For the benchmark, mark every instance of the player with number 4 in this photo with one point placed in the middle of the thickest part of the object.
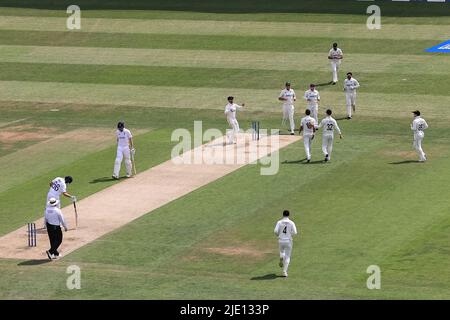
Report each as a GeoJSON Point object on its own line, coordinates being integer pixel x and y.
{"type": "Point", "coordinates": [284, 230]}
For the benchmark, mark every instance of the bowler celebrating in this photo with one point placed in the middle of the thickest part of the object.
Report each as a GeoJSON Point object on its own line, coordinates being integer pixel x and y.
{"type": "Point", "coordinates": [329, 125]}
{"type": "Point", "coordinates": [335, 56]}
{"type": "Point", "coordinates": [288, 97]}
{"type": "Point", "coordinates": [350, 86]}
{"type": "Point", "coordinates": [418, 125]}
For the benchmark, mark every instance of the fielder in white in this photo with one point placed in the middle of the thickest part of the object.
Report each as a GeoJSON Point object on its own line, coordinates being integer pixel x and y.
{"type": "Point", "coordinates": [329, 125]}
{"type": "Point", "coordinates": [230, 113]}
{"type": "Point", "coordinates": [350, 86]}
{"type": "Point", "coordinates": [418, 125]}
{"type": "Point", "coordinates": [124, 149]}
{"type": "Point", "coordinates": [288, 97]}
{"type": "Point", "coordinates": [285, 229]}
{"type": "Point", "coordinates": [335, 56]}
{"type": "Point", "coordinates": [312, 98]}
{"type": "Point", "coordinates": [308, 126]}
{"type": "Point", "coordinates": [58, 186]}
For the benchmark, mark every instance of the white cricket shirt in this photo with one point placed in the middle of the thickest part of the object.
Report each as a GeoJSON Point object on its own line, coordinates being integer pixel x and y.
{"type": "Point", "coordinates": [285, 229]}
{"type": "Point", "coordinates": [308, 124]}
{"type": "Point", "coordinates": [123, 137]}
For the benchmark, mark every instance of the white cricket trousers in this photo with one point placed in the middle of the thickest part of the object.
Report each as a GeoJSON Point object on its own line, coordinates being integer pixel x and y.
{"type": "Point", "coordinates": [335, 68]}
{"type": "Point", "coordinates": [285, 253]}
{"type": "Point", "coordinates": [307, 141]}
{"type": "Point", "coordinates": [231, 134]}
{"type": "Point", "coordinates": [122, 152]}
{"type": "Point", "coordinates": [288, 113]}
{"type": "Point", "coordinates": [314, 108]}
{"type": "Point", "coordinates": [327, 145]}
{"type": "Point", "coordinates": [418, 137]}
{"type": "Point", "coordinates": [350, 97]}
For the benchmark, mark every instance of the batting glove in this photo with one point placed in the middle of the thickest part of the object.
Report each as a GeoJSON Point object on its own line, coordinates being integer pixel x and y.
{"type": "Point", "coordinates": [74, 199]}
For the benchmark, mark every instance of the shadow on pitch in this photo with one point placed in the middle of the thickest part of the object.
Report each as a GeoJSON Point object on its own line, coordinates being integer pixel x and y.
{"type": "Point", "coordinates": [33, 262]}
{"type": "Point", "coordinates": [270, 276]}
{"type": "Point", "coordinates": [104, 179]}
{"type": "Point", "coordinates": [405, 162]}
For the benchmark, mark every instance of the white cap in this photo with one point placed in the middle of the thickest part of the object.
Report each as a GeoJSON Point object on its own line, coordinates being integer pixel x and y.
{"type": "Point", "coordinates": [52, 202]}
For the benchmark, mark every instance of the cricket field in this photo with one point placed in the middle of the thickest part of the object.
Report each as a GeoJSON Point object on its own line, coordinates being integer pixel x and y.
{"type": "Point", "coordinates": [161, 66]}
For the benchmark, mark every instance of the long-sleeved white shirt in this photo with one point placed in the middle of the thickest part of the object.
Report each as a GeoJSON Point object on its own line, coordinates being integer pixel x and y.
{"type": "Point", "coordinates": [329, 124]}
{"type": "Point", "coordinates": [54, 216]}
{"type": "Point", "coordinates": [312, 97]}
{"type": "Point", "coordinates": [336, 55]}
{"type": "Point", "coordinates": [289, 95]}
{"type": "Point", "coordinates": [230, 110]}
{"type": "Point", "coordinates": [351, 85]}
{"type": "Point", "coordinates": [285, 229]}
{"type": "Point", "coordinates": [419, 124]}
{"type": "Point", "coordinates": [308, 124]}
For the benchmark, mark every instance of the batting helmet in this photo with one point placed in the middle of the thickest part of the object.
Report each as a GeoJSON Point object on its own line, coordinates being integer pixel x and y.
{"type": "Point", "coordinates": [68, 179]}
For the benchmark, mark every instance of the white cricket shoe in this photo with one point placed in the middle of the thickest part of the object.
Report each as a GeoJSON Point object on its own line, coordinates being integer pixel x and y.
{"type": "Point", "coordinates": [285, 274]}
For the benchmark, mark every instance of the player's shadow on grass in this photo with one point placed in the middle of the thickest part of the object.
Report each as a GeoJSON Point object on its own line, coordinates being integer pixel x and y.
{"type": "Point", "coordinates": [104, 179]}
{"type": "Point", "coordinates": [293, 161]}
{"type": "Point", "coordinates": [324, 84]}
{"type": "Point", "coordinates": [270, 276]}
{"type": "Point", "coordinates": [33, 262]}
{"type": "Point", "coordinates": [302, 161]}
{"type": "Point", "coordinates": [405, 162]}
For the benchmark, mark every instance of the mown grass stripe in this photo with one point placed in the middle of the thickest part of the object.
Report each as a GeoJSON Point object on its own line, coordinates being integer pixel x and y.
{"type": "Point", "coordinates": [370, 104]}
{"type": "Point", "coordinates": [390, 8]}
{"type": "Point", "coordinates": [218, 78]}
{"type": "Point", "coordinates": [356, 17]}
{"type": "Point", "coordinates": [361, 63]}
{"type": "Point", "coordinates": [208, 42]}
{"type": "Point", "coordinates": [235, 28]}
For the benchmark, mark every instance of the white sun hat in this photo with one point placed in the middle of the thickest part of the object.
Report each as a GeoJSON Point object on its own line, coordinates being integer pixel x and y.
{"type": "Point", "coordinates": [52, 202]}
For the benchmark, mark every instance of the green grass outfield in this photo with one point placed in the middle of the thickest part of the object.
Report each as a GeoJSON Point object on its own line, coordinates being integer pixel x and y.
{"type": "Point", "coordinates": [162, 66]}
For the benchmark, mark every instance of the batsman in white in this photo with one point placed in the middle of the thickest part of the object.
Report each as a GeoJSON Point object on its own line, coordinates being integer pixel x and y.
{"type": "Point", "coordinates": [312, 98]}
{"type": "Point", "coordinates": [418, 125]}
{"type": "Point", "coordinates": [124, 149]}
{"type": "Point", "coordinates": [350, 86]}
{"type": "Point", "coordinates": [58, 186]}
{"type": "Point", "coordinates": [335, 56]}
{"type": "Point", "coordinates": [288, 97]}
{"type": "Point", "coordinates": [284, 230]}
{"type": "Point", "coordinates": [329, 125]}
{"type": "Point", "coordinates": [308, 126]}
{"type": "Point", "coordinates": [230, 113]}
